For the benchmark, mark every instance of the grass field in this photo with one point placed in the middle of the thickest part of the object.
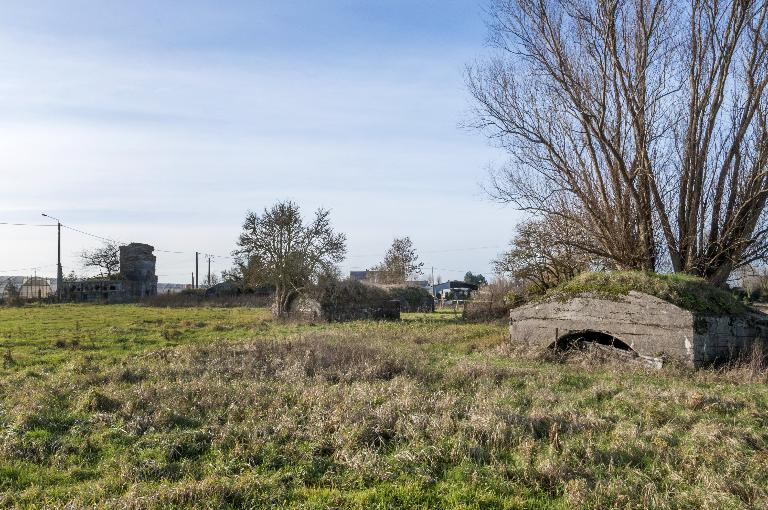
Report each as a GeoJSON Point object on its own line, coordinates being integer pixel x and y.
{"type": "Point", "coordinates": [131, 407]}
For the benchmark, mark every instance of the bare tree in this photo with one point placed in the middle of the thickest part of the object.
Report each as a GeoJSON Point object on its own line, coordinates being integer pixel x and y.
{"type": "Point", "coordinates": [213, 280]}
{"type": "Point", "coordinates": [540, 258]}
{"type": "Point", "coordinates": [106, 259]}
{"type": "Point", "coordinates": [400, 263]}
{"type": "Point", "coordinates": [277, 248]}
{"type": "Point", "coordinates": [435, 280]}
{"type": "Point", "coordinates": [644, 121]}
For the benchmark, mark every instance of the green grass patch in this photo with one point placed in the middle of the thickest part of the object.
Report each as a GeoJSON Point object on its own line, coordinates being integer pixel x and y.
{"type": "Point", "coordinates": [235, 410]}
{"type": "Point", "coordinates": [686, 291]}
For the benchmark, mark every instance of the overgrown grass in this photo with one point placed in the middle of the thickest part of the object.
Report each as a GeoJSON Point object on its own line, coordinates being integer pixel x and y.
{"type": "Point", "coordinates": [686, 291]}
{"type": "Point", "coordinates": [238, 411]}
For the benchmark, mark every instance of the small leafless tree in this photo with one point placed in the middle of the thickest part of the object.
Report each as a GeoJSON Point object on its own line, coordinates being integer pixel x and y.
{"type": "Point", "coordinates": [643, 120]}
{"type": "Point", "coordinates": [400, 263]}
{"type": "Point", "coordinates": [105, 258]}
{"type": "Point", "coordinates": [277, 248]}
{"type": "Point", "coordinates": [541, 258]}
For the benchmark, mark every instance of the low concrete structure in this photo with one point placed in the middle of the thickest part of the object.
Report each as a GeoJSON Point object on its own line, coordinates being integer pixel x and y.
{"type": "Point", "coordinates": [412, 298]}
{"type": "Point", "coordinates": [96, 290]}
{"type": "Point", "coordinates": [223, 289]}
{"type": "Point", "coordinates": [305, 308]}
{"type": "Point", "coordinates": [639, 323]}
{"type": "Point", "coordinates": [343, 301]}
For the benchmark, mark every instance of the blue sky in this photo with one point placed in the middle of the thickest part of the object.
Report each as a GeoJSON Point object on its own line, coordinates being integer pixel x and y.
{"type": "Point", "coordinates": [164, 122]}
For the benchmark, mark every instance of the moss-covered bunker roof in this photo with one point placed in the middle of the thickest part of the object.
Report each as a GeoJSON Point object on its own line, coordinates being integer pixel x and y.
{"type": "Point", "coordinates": [686, 291]}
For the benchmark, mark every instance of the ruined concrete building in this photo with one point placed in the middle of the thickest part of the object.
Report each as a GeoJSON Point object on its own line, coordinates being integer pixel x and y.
{"type": "Point", "coordinates": [641, 325]}
{"type": "Point", "coordinates": [137, 268]}
{"type": "Point", "coordinates": [136, 279]}
{"type": "Point", "coordinates": [344, 301]}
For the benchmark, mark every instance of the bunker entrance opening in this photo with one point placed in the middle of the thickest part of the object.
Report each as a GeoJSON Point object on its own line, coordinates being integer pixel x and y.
{"type": "Point", "coordinates": [582, 339]}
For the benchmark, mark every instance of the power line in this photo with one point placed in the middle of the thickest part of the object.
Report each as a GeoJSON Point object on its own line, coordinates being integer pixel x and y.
{"type": "Point", "coordinates": [91, 235]}
{"type": "Point", "coordinates": [177, 252]}
{"type": "Point", "coordinates": [108, 239]}
{"type": "Point", "coordinates": [27, 224]}
{"type": "Point", "coordinates": [26, 268]}
{"type": "Point", "coordinates": [475, 248]}
{"type": "Point", "coordinates": [159, 250]}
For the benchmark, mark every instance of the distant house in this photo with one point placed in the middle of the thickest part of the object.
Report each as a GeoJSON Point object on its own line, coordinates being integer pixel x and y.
{"type": "Point", "coordinates": [749, 279]}
{"type": "Point", "coordinates": [454, 289]}
{"type": "Point", "coordinates": [172, 288]}
{"type": "Point", "coordinates": [35, 287]}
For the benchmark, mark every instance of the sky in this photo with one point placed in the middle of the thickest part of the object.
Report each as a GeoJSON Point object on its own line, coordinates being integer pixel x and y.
{"type": "Point", "coordinates": [164, 122]}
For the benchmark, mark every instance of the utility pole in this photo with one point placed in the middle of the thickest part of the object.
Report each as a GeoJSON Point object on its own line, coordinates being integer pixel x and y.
{"type": "Point", "coordinates": [197, 269]}
{"type": "Point", "coordinates": [209, 270]}
{"type": "Point", "coordinates": [59, 272]}
{"type": "Point", "coordinates": [193, 280]}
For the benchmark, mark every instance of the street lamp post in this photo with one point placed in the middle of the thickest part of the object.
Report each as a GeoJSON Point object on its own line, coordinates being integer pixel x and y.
{"type": "Point", "coordinates": [59, 273]}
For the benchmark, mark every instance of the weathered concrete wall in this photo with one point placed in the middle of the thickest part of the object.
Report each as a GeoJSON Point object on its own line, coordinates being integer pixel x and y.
{"type": "Point", "coordinates": [96, 291]}
{"type": "Point", "coordinates": [725, 337]}
{"type": "Point", "coordinates": [306, 308]}
{"type": "Point", "coordinates": [383, 310]}
{"type": "Point", "coordinates": [137, 268]}
{"type": "Point", "coordinates": [412, 298]}
{"type": "Point", "coordinates": [648, 325]}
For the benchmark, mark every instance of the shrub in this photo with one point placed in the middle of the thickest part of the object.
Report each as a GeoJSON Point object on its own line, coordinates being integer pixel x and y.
{"type": "Point", "coordinates": [350, 300]}
{"type": "Point", "coordinates": [491, 302]}
{"type": "Point", "coordinates": [192, 298]}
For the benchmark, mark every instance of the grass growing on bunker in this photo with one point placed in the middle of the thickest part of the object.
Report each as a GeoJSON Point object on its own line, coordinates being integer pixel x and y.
{"type": "Point", "coordinates": [686, 291]}
{"type": "Point", "coordinates": [237, 410]}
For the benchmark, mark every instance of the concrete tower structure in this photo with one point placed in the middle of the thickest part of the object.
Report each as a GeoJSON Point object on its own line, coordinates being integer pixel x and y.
{"type": "Point", "coordinates": [137, 268]}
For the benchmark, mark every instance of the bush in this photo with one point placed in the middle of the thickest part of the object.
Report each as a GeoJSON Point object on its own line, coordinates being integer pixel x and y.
{"type": "Point", "coordinates": [347, 292]}
{"type": "Point", "coordinates": [197, 297]}
{"type": "Point", "coordinates": [352, 300]}
{"type": "Point", "coordinates": [492, 302]}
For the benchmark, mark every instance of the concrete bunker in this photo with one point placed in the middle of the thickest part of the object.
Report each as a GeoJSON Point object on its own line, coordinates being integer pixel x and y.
{"type": "Point", "coordinates": [640, 324]}
{"type": "Point", "coordinates": [343, 301]}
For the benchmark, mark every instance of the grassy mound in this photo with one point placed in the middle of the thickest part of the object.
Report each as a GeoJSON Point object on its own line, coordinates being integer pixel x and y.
{"type": "Point", "coordinates": [686, 291]}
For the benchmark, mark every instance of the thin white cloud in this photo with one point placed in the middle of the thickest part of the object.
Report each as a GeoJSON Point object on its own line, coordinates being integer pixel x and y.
{"type": "Point", "coordinates": [175, 147]}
